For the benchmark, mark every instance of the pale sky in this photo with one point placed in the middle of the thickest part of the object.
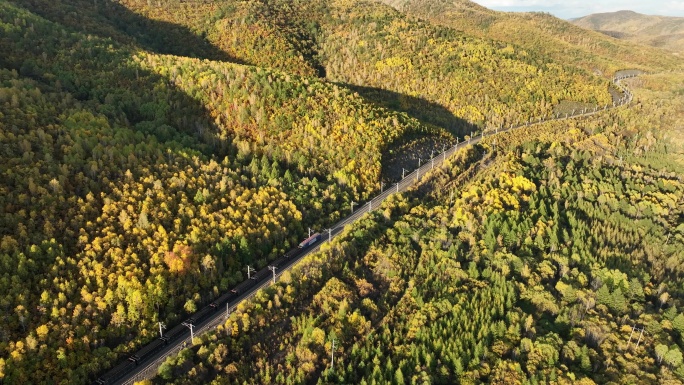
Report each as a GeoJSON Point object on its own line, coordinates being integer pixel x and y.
{"type": "Point", "coordinates": [566, 9]}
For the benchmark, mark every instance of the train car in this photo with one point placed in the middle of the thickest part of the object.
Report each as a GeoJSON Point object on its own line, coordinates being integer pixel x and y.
{"type": "Point", "coordinates": [244, 285]}
{"type": "Point", "coordinates": [310, 241]}
{"type": "Point", "coordinates": [225, 298]}
{"type": "Point", "coordinates": [282, 261]}
{"type": "Point", "coordinates": [148, 350]}
{"type": "Point", "coordinates": [176, 332]}
{"type": "Point", "coordinates": [263, 273]}
{"type": "Point", "coordinates": [203, 314]}
{"type": "Point", "coordinates": [116, 373]}
{"type": "Point", "coordinates": [293, 253]}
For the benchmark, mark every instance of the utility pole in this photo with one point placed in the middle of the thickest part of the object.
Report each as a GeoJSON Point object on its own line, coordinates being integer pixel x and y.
{"type": "Point", "coordinates": [641, 334]}
{"type": "Point", "coordinates": [417, 173]}
{"type": "Point", "coordinates": [352, 206]}
{"type": "Point", "coordinates": [227, 310]}
{"type": "Point", "coordinates": [192, 332]}
{"type": "Point", "coordinates": [273, 269]}
{"type": "Point", "coordinates": [630, 336]}
{"type": "Point", "coordinates": [419, 162]}
{"type": "Point", "coordinates": [370, 205]}
{"type": "Point", "coordinates": [433, 163]}
{"type": "Point", "coordinates": [382, 186]}
{"type": "Point", "coordinates": [161, 326]}
{"type": "Point", "coordinates": [443, 153]}
{"type": "Point", "coordinates": [397, 186]}
{"type": "Point", "coordinates": [309, 231]}
{"type": "Point", "coordinates": [403, 173]}
{"type": "Point", "coordinates": [329, 234]}
{"type": "Point", "coordinates": [250, 270]}
{"type": "Point", "coordinates": [332, 356]}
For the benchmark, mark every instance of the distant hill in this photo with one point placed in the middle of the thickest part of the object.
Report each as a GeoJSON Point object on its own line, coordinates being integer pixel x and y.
{"type": "Point", "coordinates": [538, 32]}
{"type": "Point", "coordinates": [658, 31]}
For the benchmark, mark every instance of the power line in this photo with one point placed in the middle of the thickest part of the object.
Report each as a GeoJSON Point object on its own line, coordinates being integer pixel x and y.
{"type": "Point", "coordinates": [628, 97]}
{"type": "Point", "coordinates": [273, 269]}
{"type": "Point", "coordinates": [332, 355]}
{"type": "Point", "coordinates": [161, 326]}
{"type": "Point", "coordinates": [641, 334]}
{"type": "Point", "coordinates": [191, 327]}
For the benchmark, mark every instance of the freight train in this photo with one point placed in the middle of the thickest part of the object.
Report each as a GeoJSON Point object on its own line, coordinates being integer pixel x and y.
{"type": "Point", "coordinates": [180, 331]}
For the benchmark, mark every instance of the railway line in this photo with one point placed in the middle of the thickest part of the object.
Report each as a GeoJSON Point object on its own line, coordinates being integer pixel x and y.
{"type": "Point", "coordinates": [145, 362]}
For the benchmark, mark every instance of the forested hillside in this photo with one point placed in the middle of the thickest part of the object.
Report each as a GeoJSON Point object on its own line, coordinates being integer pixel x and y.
{"type": "Point", "coordinates": [430, 72]}
{"type": "Point", "coordinates": [541, 33]}
{"type": "Point", "coordinates": [151, 150]}
{"type": "Point", "coordinates": [659, 31]}
{"type": "Point", "coordinates": [137, 186]}
{"type": "Point", "coordinates": [545, 268]}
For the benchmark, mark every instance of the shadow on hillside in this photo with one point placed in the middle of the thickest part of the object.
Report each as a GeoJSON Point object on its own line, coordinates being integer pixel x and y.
{"type": "Point", "coordinates": [109, 19]}
{"type": "Point", "coordinates": [427, 112]}
{"type": "Point", "coordinates": [410, 150]}
{"type": "Point", "coordinates": [166, 124]}
{"type": "Point", "coordinates": [151, 121]}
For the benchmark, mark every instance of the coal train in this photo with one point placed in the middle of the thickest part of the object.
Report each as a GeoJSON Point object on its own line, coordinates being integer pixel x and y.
{"type": "Point", "coordinates": [180, 331]}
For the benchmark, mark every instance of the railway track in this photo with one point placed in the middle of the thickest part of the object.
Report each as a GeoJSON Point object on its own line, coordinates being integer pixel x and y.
{"type": "Point", "coordinates": [145, 363]}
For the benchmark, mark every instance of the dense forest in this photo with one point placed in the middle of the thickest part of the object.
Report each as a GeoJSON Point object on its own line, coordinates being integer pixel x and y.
{"type": "Point", "coordinates": [542, 33]}
{"type": "Point", "coordinates": [559, 262]}
{"type": "Point", "coordinates": [151, 150]}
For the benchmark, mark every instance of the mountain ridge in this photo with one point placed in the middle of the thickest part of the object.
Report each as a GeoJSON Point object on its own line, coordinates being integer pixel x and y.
{"type": "Point", "coordinates": [659, 31]}
{"type": "Point", "coordinates": [540, 32]}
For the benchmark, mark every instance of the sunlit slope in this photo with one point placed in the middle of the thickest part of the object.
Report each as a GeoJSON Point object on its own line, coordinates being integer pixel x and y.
{"type": "Point", "coordinates": [434, 73]}
{"type": "Point", "coordinates": [659, 31]}
{"type": "Point", "coordinates": [541, 33]}
{"type": "Point", "coordinates": [483, 82]}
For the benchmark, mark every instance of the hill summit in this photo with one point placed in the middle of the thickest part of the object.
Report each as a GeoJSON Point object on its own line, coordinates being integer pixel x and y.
{"type": "Point", "coordinates": [659, 31]}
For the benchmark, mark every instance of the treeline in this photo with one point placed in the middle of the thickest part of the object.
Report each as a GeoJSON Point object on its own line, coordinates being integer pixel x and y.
{"type": "Point", "coordinates": [544, 268]}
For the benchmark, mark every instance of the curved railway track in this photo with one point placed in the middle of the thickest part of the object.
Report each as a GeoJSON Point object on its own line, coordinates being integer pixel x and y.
{"type": "Point", "coordinates": [145, 362]}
